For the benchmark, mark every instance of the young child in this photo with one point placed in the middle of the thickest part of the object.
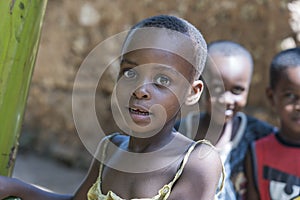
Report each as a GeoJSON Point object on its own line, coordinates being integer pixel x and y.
{"type": "Point", "coordinates": [273, 172]}
{"type": "Point", "coordinates": [227, 76]}
{"type": "Point", "coordinates": [161, 60]}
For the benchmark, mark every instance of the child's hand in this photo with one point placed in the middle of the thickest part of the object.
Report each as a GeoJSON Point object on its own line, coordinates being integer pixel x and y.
{"type": "Point", "coordinates": [7, 186]}
{"type": "Point", "coordinates": [240, 183]}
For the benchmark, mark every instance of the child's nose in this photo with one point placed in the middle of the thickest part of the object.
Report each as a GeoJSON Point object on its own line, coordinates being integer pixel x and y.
{"type": "Point", "coordinates": [297, 106]}
{"type": "Point", "coordinates": [227, 98]}
{"type": "Point", "coordinates": [142, 92]}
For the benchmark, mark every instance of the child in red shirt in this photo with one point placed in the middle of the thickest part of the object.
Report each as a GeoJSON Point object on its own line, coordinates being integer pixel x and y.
{"type": "Point", "coordinates": [273, 172]}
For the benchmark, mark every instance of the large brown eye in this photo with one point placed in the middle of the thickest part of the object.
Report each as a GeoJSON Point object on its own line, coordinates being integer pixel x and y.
{"type": "Point", "coordinates": [130, 74]}
{"type": "Point", "coordinates": [237, 90]}
{"type": "Point", "coordinates": [290, 96]}
{"type": "Point", "coordinates": [163, 80]}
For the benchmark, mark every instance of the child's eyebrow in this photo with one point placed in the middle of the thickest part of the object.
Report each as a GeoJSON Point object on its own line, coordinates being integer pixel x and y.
{"type": "Point", "coordinates": [159, 67]}
{"type": "Point", "coordinates": [165, 68]}
{"type": "Point", "coordinates": [124, 60]}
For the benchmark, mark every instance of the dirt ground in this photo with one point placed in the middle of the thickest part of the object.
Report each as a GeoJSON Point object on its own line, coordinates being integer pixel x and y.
{"type": "Point", "coordinates": [47, 173]}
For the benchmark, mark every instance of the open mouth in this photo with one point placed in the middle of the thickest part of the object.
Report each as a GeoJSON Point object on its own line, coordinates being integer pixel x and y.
{"type": "Point", "coordinates": [137, 111]}
{"type": "Point", "coordinates": [140, 115]}
{"type": "Point", "coordinates": [296, 119]}
{"type": "Point", "coordinates": [228, 113]}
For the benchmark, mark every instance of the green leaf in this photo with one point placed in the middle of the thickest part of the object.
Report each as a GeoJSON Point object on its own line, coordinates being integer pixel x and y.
{"type": "Point", "coordinates": [12, 198]}
{"type": "Point", "coordinates": [20, 28]}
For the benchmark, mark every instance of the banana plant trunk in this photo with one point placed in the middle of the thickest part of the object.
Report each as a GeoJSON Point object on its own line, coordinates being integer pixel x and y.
{"type": "Point", "coordinates": [20, 29]}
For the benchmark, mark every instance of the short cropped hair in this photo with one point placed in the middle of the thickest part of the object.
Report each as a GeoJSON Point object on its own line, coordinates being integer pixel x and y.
{"type": "Point", "coordinates": [229, 48]}
{"type": "Point", "coordinates": [224, 48]}
{"type": "Point", "coordinates": [284, 59]}
{"type": "Point", "coordinates": [182, 26]}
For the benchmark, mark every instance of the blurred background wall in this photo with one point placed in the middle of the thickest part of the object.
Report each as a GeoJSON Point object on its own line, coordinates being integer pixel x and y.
{"type": "Point", "coordinates": [72, 28]}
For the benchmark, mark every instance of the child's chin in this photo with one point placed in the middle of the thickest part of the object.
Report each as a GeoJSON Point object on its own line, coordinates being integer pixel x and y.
{"type": "Point", "coordinates": [142, 130]}
{"type": "Point", "coordinates": [140, 134]}
{"type": "Point", "coordinates": [228, 118]}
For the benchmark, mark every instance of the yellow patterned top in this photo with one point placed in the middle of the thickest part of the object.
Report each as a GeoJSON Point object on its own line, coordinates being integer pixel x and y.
{"type": "Point", "coordinates": [95, 192]}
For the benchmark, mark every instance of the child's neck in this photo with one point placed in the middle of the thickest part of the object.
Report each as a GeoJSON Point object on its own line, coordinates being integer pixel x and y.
{"type": "Point", "coordinates": [150, 144]}
{"type": "Point", "coordinates": [226, 134]}
{"type": "Point", "coordinates": [289, 138]}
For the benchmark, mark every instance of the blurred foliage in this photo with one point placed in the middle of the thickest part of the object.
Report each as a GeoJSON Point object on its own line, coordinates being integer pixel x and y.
{"type": "Point", "coordinates": [20, 28]}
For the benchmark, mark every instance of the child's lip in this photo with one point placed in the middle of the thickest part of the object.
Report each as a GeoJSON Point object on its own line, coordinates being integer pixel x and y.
{"type": "Point", "coordinates": [139, 109]}
{"type": "Point", "coordinates": [228, 113]}
{"type": "Point", "coordinates": [296, 118]}
{"type": "Point", "coordinates": [140, 115]}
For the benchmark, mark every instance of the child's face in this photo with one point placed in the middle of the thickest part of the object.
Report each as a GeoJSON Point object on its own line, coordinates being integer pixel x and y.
{"type": "Point", "coordinates": [285, 98]}
{"type": "Point", "coordinates": [228, 99]}
{"type": "Point", "coordinates": [151, 87]}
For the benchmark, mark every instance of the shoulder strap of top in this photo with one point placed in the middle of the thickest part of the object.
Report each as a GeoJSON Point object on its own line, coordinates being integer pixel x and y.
{"type": "Point", "coordinates": [180, 170]}
{"type": "Point", "coordinates": [222, 181]}
{"type": "Point", "coordinates": [103, 147]}
{"type": "Point", "coordinates": [185, 159]}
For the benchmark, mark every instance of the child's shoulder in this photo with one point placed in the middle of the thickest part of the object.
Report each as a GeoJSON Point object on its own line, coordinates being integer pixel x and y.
{"type": "Point", "coordinates": [204, 166]}
{"type": "Point", "coordinates": [198, 152]}
{"type": "Point", "coordinates": [271, 138]}
{"type": "Point", "coordinates": [115, 138]}
{"type": "Point", "coordinates": [204, 157]}
{"type": "Point", "coordinates": [118, 138]}
{"type": "Point", "coordinates": [253, 121]}
{"type": "Point", "coordinates": [256, 125]}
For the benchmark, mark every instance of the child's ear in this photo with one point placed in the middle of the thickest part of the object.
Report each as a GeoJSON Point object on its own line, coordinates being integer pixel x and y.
{"type": "Point", "coordinates": [269, 94]}
{"type": "Point", "coordinates": [195, 93]}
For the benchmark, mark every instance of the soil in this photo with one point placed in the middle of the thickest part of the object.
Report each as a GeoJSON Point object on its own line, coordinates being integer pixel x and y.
{"type": "Point", "coordinates": [47, 173]}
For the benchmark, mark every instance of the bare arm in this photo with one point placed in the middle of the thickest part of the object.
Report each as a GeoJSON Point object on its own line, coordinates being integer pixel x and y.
{"type": "Point", "coordinates": [251, 193]}
{"type": "Point", "coordinates": [201, 175]}
{"type": "Point", "coordinates": [90, 179]}
{"type": "Point", "coordinates": [25, 191]}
